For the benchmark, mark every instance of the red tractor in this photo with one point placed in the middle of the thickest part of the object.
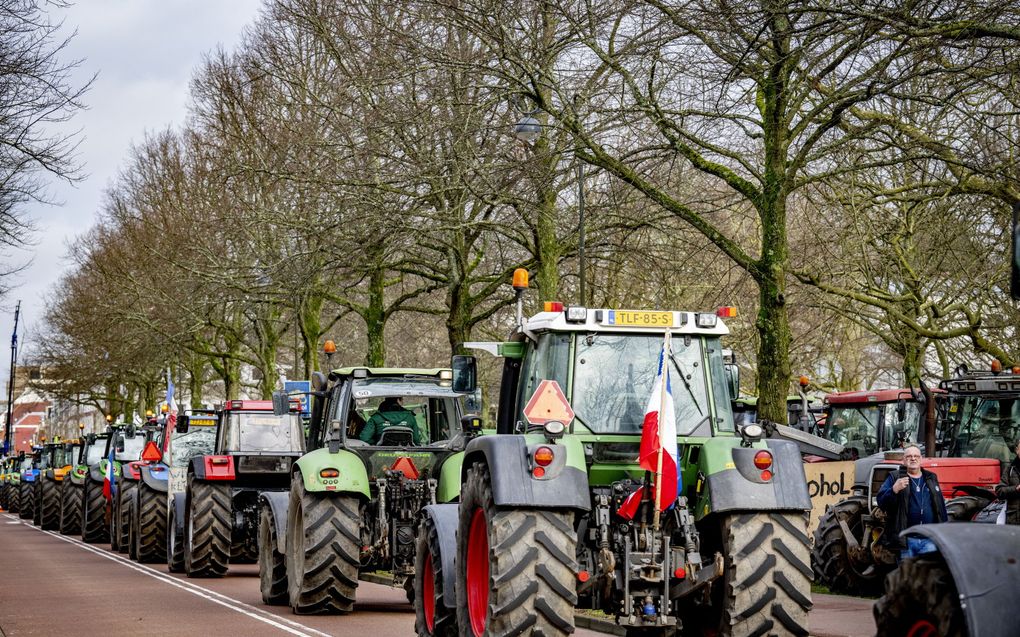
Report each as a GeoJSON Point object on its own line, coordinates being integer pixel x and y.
{"type": "Point", "coordinates": [847, 556]}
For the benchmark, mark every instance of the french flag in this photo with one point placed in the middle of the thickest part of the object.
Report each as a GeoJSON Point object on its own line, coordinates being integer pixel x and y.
{"type": "Point", "coordinates": [658, 439]}
{"type": "Point", "coordinates": [109, 482]}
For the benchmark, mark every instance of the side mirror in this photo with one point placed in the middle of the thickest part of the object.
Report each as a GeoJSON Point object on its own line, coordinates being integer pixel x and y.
{"type": "Point", "coordinates": [732, 380]}
{"type": "Point", "coordinates": [465, 374]}
{"type": "Point", "coordinates": [335, 436]}
{"type": "Point", "coordinates": [901, 410]}
{"type": "Point", "coordinates": [183, 422]}
{"type": "Point", "coordinates": [131, 431]}
{"type": "Point", "coordinates": [281, 403]}
{"type": "Point", "coordinates": [119, 438]}
{"type": "Point", "coordinates": [318, 381]}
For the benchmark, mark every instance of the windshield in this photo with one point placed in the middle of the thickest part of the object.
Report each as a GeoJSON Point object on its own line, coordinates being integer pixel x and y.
{"type": "Point", "coordinates": [983, 427]}
{"type": "Point", "coordinates": [95, 452]}
{"type": "Point", "coordinates": [246, 431]}
{"type": "Point", "coordinates": [26, 464]}
{"type": "Point", "coordinates": [198, 441]}
{"type": "Point", "coordinates": [132, 449]}
{"type": "Point", "coordinates": [432, 409]}
{"type": "Point", "coordinates": [613, 377]}
{"type": "Point", "coordinates": [854, 427]}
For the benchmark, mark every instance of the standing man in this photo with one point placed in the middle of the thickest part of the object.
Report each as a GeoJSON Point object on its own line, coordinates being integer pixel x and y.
{"type": "Point", "coordinates": [1009, 489]}
{"type": "Point", "coordinates": [910, 496]}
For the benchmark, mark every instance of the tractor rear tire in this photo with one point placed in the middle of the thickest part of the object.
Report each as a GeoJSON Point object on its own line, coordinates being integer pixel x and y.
{"type": "Point", "coordinates": [965, 507]}
{"type": "Point", "coordinates": [13, 499]}
{"type": "Point", "coordinates": [70, 507]}
{"type": "Point", "coordinates": [207, 529]}
{"type": "Point", "coordinates": [37, 498]}
{"type": "Point", "coordinates": [121, 518]}
{"type": "Point", "coordinates": [49, 505]}
{"type": "Point", "coordinates": [323, 550]}
{"type": "Point", "coordinates": [245, 551]}
{"type": "Point", "coordinates": [767, 580]}
{"type": "Point", "coordinates": [93, 514]}
{"type": "Point", "coordinates": [830, 556]}
{"type": "Point", "coordinates": [920, 598]}
{"type": "Point", "coordinates": [148, 524]}
{"type": "Point", "coordinates": [431, 616]}
{"type": "Point", "coordinates": [272, 563]}
{"type": "Point", "coordinates": [174, 543]}
{"type": "Point", "coordinates": [26, 500]}
{"type": "Point", "coordinates": [516, 568]}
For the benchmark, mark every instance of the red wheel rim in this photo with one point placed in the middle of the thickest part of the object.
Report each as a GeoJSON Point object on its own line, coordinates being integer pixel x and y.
{"type": "Point", "coordinates": [429, 594]}
{"type": "Point", "coordinates": [478, 572]}
{"type": "Point", "coordinates": [923, 628]}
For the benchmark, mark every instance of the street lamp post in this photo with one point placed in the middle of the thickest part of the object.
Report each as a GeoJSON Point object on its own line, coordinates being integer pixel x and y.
{"type": "Point", "coordinates": [528, 129]}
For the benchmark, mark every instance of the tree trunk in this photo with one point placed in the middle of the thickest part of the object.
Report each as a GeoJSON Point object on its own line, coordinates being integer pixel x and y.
{"type": "Point", "coordinates": [375, 319]}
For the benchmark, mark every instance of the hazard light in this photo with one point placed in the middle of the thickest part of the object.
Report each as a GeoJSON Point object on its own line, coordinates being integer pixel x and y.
{"type": "Point", "coordinates": [553, 306]}
{"type": "Point", "coordinates": [151, 452]}
{"type": "Point", "coordinates": [996, 366]}
{"type": "Point", "coordinates": [726, 312]}
{"type": "Point", "coordinates": [329, 473]}
{"type": "Point", "coordinates": [763, 459]}
{"type": "Point", "coordinates": [520, 279]}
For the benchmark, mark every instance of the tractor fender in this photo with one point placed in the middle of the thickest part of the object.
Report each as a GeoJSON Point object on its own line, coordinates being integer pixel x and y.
{"type": "Point", "coordinates": [277, 502]}
{"type": "Point", "coordinates": [564, 485]}
{"type": "Point", "coordinates": [446, 517]}
{"type": "Point", "coordinates": [353, 476]}
{"type": "Point", "coordinates": [734, 483]}
{"type": "Point", "coordinates": [97, 472]}
{"type": "Point", "coordinates": [156, 477]}
{"type": "Point", "coordinates": [78, 475]}
{"type": "Point", "coordinates": [984, 561]}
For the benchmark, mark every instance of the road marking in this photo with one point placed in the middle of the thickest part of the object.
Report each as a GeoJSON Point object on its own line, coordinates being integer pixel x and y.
{"type": "Point", "coordinates": [286, 625]}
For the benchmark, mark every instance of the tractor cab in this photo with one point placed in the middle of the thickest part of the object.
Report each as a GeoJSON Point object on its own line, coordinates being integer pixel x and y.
{"type": "Point", "coordinates": [868, 422]}
{"type": "Point", "coordinates": [980, 415]}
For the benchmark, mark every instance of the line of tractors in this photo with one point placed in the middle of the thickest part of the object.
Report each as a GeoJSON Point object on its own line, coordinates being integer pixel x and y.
{"type": "Point", "coordinates": [511, 527]}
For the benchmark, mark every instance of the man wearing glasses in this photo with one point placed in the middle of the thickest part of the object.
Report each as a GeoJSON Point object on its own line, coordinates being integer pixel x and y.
{"type": "Point", "coordinates": [909, 496]}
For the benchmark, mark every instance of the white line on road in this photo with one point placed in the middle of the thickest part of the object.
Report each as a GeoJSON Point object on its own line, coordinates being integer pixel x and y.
{"type": "Point", "coordinates": [286, 625]}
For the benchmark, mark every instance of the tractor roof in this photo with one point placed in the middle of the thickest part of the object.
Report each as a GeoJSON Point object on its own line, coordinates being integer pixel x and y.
{"type": "Point", "coordinates": [983, 383]}
{"type": "Point", "coordinates": [872, 396]}
{"type": "Point", "coordinates": [579, 319]}
{"type": "Point", "coordinates": [392, 371]}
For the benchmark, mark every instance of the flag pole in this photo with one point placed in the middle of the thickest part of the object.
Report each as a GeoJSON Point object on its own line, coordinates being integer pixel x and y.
{"type": "Point", "coordinates": [662, 411]}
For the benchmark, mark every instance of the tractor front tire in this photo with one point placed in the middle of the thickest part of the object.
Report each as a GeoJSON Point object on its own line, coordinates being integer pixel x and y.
{"type": "Point", "coordinates": [431, 616]}
{"type": "Point", "coordinates": [272, 563]}
{"type": "Point", "coordinates": [26, 500]}
{"type": "Point", "coordinates": [70, 507]}
{"type": "Point", "coordinates": [93, 514]}
{"type": "Point", "coordinates": [516, 568]}
{"type": "Point", "coordinates": [323, 550]}
{"type": "Point", "coordinates": [965, 507]}
{"type": "Point", "coordinates": [37, 487]}
{"type": "Point", "coordinates": [49, 505]}
{"type": "Point", "coordinates": [767, 581]}
{"type": "Point", "coordinates": [830, 557]}
{"type": "Point", "coordinates": [148, 524]}
{"type": "Point", "coordinates": [207, 529]}
{"type": "Point", "coordinates": [920, 599]}
{"type": "Point", "coordinates": [174, 543]}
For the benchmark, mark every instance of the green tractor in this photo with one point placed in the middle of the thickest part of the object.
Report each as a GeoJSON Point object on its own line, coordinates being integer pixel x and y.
{"type": "Point", "coordinates": [540, 527]}
{"type": "Point", "coordinates": [355, 497]}
{"type": "Point", "coordinates": [124, 444]}
{"type": "Point", "coordinates": [9, 478]}
{"type": "Point", "coordinates": [58, 456]}
{"type": "Point", "coordinates": [72, 488]}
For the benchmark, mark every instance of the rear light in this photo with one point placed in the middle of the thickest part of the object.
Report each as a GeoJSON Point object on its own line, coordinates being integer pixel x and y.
{"type": "Point", "coordinates": [329, 473]}
{"type": "Point", "coordinates": [763, 459]}
{"type": "Point", "coordinates": [543, 456]}
{"type": "Point", "coordinates": [726, 312]}
{"type": "Point", "coordinates": [553, 306]}
{"type": "Point", "coordinates": [219, 461]}
{"type": "Point", "coordinates": [680, 572]}
{"type": "Point", "coordinates": [766, 475]}
{"type": "Point", "coordinates": [539, 472]}
{"type": "Point", "coordinates": [583, 576]}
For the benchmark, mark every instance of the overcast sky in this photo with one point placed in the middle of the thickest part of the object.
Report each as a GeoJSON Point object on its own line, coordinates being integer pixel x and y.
{"type": "Point", "coordinates": [144, 52]}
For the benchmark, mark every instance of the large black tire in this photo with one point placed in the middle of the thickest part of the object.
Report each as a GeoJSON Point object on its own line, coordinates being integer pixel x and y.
{"type": "Point", "coordinates": [767, 581]}
{"type": "Point", "coordinates": [272, 563]}
{"type": "Point", "coordinates": [207, 529]}
{"type": "Point", "coordinates": [3, 496]}
{"type": "Point", "coordinates": [516, 568]}
{"type": "Point", "coordinates": [70, 507]}
{"type": "Point", "coordinates": [148, 525]}
{"type": "Point", "coordinates": [120, 534]}
{"type": "Point", "coordinates": [174, 543]}
{"type": "Point", "coordinates": [26, 500]}
{"type": "Point", "coordinates": [323, 550]}
{"type": "Point", "coordinates": [244, 551]}
{"type": "Point", "coordinates": [431, 616]}
{"type": "Point", "coordinates": [94, 528]}
{"type": "Point", "coordinates": [37, 500]}
{"type": "Point", "coordinates": [920, 598]}
{"type": "Point", "coordinates": [13, 498]}
{"type": "Point", "coordinates": [965, 507]}
{"type": "Point", "coordinates": [49, 505]}
{"type": "Point", "coordinates": [830, 556]}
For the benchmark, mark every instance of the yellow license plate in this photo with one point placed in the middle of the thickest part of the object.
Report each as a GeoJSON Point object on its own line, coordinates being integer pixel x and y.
{"type": "Point", "coordinates": [203, 422]}
{"type": "Point", "coordinates": [628, 318]}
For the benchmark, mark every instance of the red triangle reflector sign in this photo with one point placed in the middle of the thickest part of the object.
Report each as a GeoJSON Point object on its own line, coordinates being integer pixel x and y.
{"type": "Point", "coordinates": [151, 453]}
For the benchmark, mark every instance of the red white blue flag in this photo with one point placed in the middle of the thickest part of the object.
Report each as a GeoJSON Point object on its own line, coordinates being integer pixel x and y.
{"type": "Point", "coordinates": [109, 479]}
{"type": "Point", "coordinates": [658, 441]}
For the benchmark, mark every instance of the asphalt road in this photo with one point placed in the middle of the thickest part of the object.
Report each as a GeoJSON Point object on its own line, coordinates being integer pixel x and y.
{"type": "Point", "coordinates": [56, 585]}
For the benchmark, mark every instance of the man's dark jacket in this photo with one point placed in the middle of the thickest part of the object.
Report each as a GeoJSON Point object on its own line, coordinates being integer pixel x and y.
{"type": "Point", "coordinates": [896, 506]}
{"type": "Point", "coordinates": [1009, 490]}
